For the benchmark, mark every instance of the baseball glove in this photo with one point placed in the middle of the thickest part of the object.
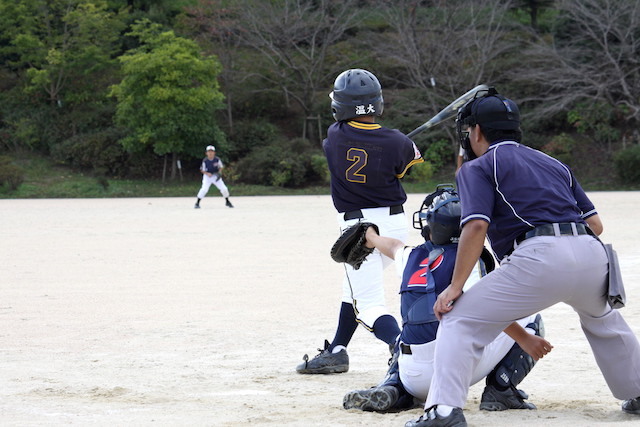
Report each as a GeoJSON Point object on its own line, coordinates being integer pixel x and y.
{"type": "Point", "coordinates": [350, 246]}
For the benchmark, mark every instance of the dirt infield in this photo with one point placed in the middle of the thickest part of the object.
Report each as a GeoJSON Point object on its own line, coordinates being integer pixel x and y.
{"type": "Point", "coordinates": [149, 312]}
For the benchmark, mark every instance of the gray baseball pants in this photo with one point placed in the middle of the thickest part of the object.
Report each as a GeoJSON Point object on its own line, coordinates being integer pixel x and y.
{"type": "Point", "coordinates": [540, 272]}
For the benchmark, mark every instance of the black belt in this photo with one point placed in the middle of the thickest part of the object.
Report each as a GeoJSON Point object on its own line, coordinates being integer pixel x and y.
{"type": "Point", "coordinates": [564, 229]}
{"type": "Point", "coordinates": [393, 210]}
{"type": "Point", "coordinates": [405, 348]}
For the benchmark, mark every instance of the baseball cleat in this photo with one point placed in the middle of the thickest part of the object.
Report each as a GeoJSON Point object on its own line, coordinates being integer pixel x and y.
{"type": "Point", "coordinates": [431, 418]}
{"type": "Point", "coordinates": [196, 206]}
{"type": "Point", "coordinates": [377, 399]}
{"type": "Point", "coordinates": [511, 398]}
{"type": "Point", "coordinates": [325, 362]}
{"type": "Point", "coordinates": [631, 406]}
{"type": "Point", "coordinates": [228, 204]}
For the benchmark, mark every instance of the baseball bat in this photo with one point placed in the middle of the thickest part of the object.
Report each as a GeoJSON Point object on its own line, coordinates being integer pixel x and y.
{"type": "Point", "coordinates": [449, 111]}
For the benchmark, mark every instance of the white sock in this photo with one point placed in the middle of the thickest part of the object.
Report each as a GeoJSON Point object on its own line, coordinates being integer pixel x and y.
{"type": "Point", "coordinates": [338, 348]}
{"type": "Point", "coordinates": [444, 410]}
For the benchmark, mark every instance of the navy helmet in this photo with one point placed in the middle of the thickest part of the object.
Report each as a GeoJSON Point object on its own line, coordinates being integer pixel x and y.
{"type": "Point", "coordinates": [490, 110]}
{"type": "Point", "coordinates": [356, 93]}
{"type": "Point", "coordinates": [439, 216]}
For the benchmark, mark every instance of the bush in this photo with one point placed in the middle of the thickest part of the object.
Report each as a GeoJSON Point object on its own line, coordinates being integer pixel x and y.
{"type": "Point", "coordinates": [290, 163]}
{"type": "Point", "coordinates": [560, 147]}
{"type": "Point", "coordinates": [98, 151]}
{"type": "Point", "coordinates": [249, 136]}
{"type": "Point", "coordinates": [422, 172]}
{"type": "Point", "coordinates": [10, 174]}
{"type": "Point", "coordinates": [627, 164]}
{"type": "Point", "coordinates": [440, 153]}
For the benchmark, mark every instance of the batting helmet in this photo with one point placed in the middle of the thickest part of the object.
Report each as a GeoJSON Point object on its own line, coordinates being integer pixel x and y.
{"type": "Point", "coordinates": [439, 216]}
{"type": "Point", "coordinates": [356, 93]}
{"type": "Point", "coordinates": [491, 111]}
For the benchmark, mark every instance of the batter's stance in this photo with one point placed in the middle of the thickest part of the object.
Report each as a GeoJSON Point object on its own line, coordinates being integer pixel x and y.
{"type": "Point", "coordinates": [366, 162]}
{"type": "Point", "coordinates": [541, 224]}
{"type": "Point", "coordinates": [211, 169]}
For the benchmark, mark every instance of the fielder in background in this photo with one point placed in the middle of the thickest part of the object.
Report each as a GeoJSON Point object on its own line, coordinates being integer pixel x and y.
{"type": "Point", "coordinates": [426, 270]}
{"type": "Point", "coordinates": [542, 227]}
{"type": "Point", "coordinates": [211, 169]}
{"type": "Point", "coordinates": [366, 162]}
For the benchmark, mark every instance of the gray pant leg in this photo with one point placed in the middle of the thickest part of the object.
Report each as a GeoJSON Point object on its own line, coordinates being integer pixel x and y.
{"type": "Point", "coordinates": [540, 273]}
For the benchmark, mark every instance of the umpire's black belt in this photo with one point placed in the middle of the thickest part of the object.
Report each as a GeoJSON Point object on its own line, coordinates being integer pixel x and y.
{"type": "Point", "coordinates": [405, 348]}
{"type": "Point", "coordinates": [393, 210]}
{"type": "Point", "coordinates": [563, 229]}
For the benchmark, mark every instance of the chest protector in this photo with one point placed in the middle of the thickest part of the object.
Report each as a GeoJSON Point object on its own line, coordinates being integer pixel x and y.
{"type": "Point", "coordinates": [426, 265]}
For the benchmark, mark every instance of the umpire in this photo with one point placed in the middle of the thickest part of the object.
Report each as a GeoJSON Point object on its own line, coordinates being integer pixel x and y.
{"type": "Point", "coordinates": [541, 224]}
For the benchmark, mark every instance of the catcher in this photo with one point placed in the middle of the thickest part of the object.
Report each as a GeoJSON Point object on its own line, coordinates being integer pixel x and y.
{"type": "Point", "coordinates": [426, 270]}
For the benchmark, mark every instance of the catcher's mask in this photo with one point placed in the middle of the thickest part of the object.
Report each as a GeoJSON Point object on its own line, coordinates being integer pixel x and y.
{"type": "Point", "coordinates": [489, 110]}
{"type": "Point", "coordinates": [356, 93]}
{"type": "Point", "coordinates": [439, 216]}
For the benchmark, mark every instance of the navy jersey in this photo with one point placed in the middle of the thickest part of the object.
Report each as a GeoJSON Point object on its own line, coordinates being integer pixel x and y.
{"type": "Point", "coordinates": [515, 188]}
{"type": "Point", "coordinates": [366, 162]}
{"type": "Point", "coordinates": [211, 166]}
{"type": "Point", "coordinates": [421, 276]}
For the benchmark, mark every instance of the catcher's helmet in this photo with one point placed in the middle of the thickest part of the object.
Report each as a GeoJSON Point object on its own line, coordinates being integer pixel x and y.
{"type": "Point", "coordinates": [439, 216]}
{"type": "Point", "coordinates": [488, 109]}
{"type": "Point", "coordinates": [356, 93]}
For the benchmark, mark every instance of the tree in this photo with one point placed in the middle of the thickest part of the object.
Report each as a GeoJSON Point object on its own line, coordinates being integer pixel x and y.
{"type": "Point", "coordinates": [593, 56]}
{"type": "Point", "coordinates": [294, 37]}
{"type": "Point", "coordinates": [169, 94]}
{"type": "Point", "coordinates": [216, 25]}
{"type": "Point", "coordinates": [437, 50]}
{"type": "Point", "coordinates": [59, 43]}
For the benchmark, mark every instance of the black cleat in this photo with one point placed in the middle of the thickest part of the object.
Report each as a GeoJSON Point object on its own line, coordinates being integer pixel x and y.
{"type": "Point", "coordinates": [228, 204]}
{"type": "Point", "coordinates": [325, 362]}
{"type": "Point", "coordinates": [631, 406]}
{"type": "Point", "coordinates": [196, 206]}
{"type": "Point", "coordinates": [432, 419]}
{"type": "Point", "coordinates": [511, 398]}
{"type": "Point", "coordinates": [376, 399]}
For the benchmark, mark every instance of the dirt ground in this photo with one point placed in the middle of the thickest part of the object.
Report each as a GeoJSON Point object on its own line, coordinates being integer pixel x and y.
{"type": "Point", "coordinates": [149, 312]}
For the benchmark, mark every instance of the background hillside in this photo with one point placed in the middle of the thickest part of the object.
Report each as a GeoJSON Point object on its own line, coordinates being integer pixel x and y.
{"type": "Point", "coordinates": [124, 92]}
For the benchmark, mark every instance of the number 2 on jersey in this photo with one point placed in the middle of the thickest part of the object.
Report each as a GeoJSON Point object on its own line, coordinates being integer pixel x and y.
{"type": "Point", "coordinates": [358, 159]}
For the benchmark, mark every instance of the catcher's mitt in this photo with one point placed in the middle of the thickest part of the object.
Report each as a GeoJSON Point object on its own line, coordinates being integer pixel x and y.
{"type": "Point", "coordinates": [350, 246]}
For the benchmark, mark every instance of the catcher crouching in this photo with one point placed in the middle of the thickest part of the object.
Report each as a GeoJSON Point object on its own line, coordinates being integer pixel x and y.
{"type": "Point", "coordinates": [425, 271]}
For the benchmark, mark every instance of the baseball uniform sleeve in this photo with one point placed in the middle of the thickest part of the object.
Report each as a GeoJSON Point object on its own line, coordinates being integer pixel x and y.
{"type": "Point", "coordinates": [400, 259]}
{"type": "Point", "coordinates": [410, 156]}
{"type": "Point", "coordinates": [475, 187]}
{"type": "Point", "coordinates": [584, 203]}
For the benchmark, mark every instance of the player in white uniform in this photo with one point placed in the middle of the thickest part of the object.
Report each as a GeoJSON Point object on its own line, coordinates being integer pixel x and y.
{"type": "Point", "coordinates": [211, 169]}
{"type": "Point", "coordinates": [366, 162]}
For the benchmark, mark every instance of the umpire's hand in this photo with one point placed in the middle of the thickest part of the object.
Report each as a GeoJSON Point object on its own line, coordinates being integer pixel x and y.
{"type": "Point", "coordinates": [444, 303]}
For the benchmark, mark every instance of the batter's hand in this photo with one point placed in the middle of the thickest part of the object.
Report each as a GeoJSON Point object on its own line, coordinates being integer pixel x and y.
{"type": "Point", "coordinates": [444, 303]}
{"type": "Point", "coordinates": [535, 346]}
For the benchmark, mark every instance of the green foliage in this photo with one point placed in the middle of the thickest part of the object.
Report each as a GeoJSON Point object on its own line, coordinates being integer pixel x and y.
{"type": "Point", "coordinates": [98, 151]}
{"type": "Point", "coordinates": [59, 43]}
{"type": "Point", "coordinates": [560, 147]}
{"type": "Point", "coordinates": [320, 167]}
{"type": "Point", "coordinates": [627, 164]}
{"type": "Point", "coordinates": [168, 95]}
{"type": "Point", "coordinates": [11, 176]}
{"type": "Point", "coordinates": [596, 120]}
{"type": "Point", "coordinates": [249, 135]}
{"type": "Point", "coordinates": [420, 173]}
{"type": "Point", "coordinates": [287, 163]}
{"type": "Point", "coordinates": [440, 153]}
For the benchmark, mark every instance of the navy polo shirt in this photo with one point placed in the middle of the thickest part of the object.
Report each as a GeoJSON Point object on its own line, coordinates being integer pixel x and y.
{"type": "Point", "coordinates": [366, 162]}
{"type": "Point", "coordinates": [515, 188]}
